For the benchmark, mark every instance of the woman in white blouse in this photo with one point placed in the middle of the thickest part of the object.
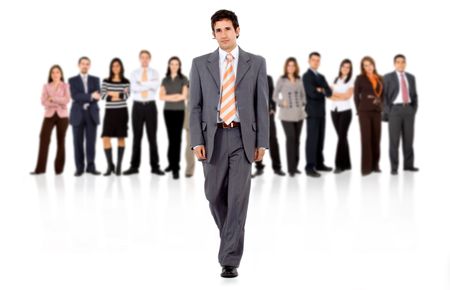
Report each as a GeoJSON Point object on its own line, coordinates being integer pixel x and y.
{"type": "Point", "coordinates": [341, 113]}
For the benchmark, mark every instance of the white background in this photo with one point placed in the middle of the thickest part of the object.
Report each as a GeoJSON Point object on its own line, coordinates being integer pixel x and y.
{"type": "Point", "coordinates": [149, 232]}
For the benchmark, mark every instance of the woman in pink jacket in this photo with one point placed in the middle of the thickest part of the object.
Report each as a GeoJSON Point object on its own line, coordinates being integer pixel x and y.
{"type": "Point", "coordinates": [55, 97]}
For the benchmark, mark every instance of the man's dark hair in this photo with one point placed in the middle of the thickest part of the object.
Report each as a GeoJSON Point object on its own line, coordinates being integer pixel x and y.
{"type": "Point", "coordinates": [83, 58]}
{"type": "Point", "coordinates": [224, 14]}
{"type": "Point", "coordinates": [314, 53]}
{"type": "Point", "coordinates": [399, 56]}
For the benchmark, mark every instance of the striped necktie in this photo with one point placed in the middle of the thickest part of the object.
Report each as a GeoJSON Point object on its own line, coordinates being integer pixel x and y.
{"type": "Point", "coordinates": [228, 100]}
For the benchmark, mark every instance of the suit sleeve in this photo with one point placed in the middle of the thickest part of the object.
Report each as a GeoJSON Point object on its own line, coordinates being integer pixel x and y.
{"type": "Point", "coordinates": [326, 88]}
{"type": "Point", "coordinates": [416, 96]}
{"type": "Point", "coordinates": [357, 93]}
{"type": "Point", "coordinates": [78, 94]}
{"type": "Point", "coordinates": [262, 110]}
{"type": "Point", "coordinates": [276, 93]}
{"type": "Point", "coordinates": [310, 90]}
{"type": "Point", "coordinates": [195, 103]}
{"type": "Point", "coordinates": [386, 98]}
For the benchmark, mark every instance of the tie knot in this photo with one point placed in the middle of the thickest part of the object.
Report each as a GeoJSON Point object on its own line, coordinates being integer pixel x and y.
{"type": "Point", "coordinates": [230, 57]}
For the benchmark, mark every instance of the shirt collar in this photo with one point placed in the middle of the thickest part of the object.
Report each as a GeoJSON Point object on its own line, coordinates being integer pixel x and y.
{"type": "Point", "coordinates": [83, 76]}
{"type": "Point", "coordinates": [400, 73]}
{"type": "Point", "coordinates": [234, 53]}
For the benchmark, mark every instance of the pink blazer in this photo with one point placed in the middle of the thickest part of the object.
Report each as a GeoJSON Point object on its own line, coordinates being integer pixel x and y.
{"type": "Point", "coordinates": [60, 99]}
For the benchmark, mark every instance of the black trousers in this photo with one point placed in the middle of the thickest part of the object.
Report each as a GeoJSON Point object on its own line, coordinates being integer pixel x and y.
{"type": "Point", "coordinates": [401, 126]}
{"type": "Point", "coordinates": [370, 124]}
{"type": "Point", "coordinates": [174, 125]}
{"type": "Point", "coordinates": [274, 149]}
{"type": "Point", "coordinates": [48, 124]}
{"type": "Point", "coordinates": [292, 131]}
{"type": "Point", "coordinates": [144, 114]}
{"type": "Point", "coordinates": [341, 122]}
{"type": "Point", "coordinates": [315, 136]}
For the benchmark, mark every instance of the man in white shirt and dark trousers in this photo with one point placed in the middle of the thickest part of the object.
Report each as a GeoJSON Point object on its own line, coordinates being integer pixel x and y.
{"type": "Point", "coordinates": [144, 85]}
{"type": "Point", "coordinates": [400, 107]}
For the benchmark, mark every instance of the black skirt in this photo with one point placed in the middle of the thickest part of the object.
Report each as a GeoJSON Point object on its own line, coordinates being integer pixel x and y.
{"type": "Point", "coordinates": [115, 123]}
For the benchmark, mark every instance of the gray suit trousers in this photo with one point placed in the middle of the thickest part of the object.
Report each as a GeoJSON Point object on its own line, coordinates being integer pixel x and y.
{"type": "Point", "coordinates": [401, 126]}
{"type": "Point", "coordinates": [227, 188]}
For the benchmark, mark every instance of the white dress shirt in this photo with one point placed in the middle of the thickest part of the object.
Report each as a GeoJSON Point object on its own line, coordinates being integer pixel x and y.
{"type": "Point", "coordinates": [341, 87]}
{"type": "Point", "coordinates": [399, 98]}
{"type": "Point", "coordinates": [137, 86]}
{"type": "Point", "coordinates": [223, 64]}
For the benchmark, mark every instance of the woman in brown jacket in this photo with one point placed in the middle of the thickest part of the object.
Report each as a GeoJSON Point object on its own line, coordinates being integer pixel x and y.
{"type": "Point", "coordinates": [368, 92]}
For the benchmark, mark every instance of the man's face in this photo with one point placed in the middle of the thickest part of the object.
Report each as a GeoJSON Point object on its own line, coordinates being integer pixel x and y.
{"type": "Point", "coordinates": [314, 62]}
{"type": "Point", "coordinates": [225, 34]}
{"type": "Point", "coordinates": [400, 64]}
{"type": "Point", "coordinates": [144, 58]}
{"type": "Point", "coordinates": [84, 66]}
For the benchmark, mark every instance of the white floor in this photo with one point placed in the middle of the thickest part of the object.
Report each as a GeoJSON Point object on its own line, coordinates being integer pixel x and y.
{"type": "Point", "coordinates": [149, 232]}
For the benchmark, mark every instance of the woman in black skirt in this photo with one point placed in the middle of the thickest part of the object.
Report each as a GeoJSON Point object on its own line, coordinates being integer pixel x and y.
{"type": "Point", "coordinates": [115, 90]}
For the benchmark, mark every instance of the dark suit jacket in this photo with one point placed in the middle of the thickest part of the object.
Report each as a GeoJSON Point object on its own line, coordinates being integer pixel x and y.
{"type": "Point", "coordinates": [392, 88]}
{"type": "Point", "coordinates": [80, 98]}
{"type": "Point", "coordinates": [364, 95]}
{"type": "Point", "coordinates": [315, 101]}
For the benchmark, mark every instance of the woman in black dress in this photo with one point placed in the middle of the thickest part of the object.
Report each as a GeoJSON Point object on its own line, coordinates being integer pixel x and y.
{"type": "Point", "coordinates": [115, 91]}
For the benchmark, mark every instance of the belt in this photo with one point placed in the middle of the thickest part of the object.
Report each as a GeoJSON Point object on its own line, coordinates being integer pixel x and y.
{"type": "Point", "coordinates": [231, 125]}
{"type": "Point", "coordinates": [144, 102]}
{"type": "Point", "coordinates": [402, 104]}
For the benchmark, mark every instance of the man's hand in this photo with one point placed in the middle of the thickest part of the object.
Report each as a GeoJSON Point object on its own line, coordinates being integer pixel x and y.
{"type": "Point", "coordinates": [95, 95]}
{"type": "Point", "coordinates": [200, 152]}
{"type": "Point", "coordinates": [259, 153]}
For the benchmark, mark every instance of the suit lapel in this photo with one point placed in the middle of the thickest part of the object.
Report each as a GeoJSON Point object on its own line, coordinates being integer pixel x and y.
{"type": "Point", "coordinates": [213, 67]}
{"type": "Point", "coordinates": [243, 66]}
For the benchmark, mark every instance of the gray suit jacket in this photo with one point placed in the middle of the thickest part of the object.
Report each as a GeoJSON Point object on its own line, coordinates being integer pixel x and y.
{"type": "Point", "coordinates": [392, 88]}
{"type": "Point", "coordinates": [252, 95]}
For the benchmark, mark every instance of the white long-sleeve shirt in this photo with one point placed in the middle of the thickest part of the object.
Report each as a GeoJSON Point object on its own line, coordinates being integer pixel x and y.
{"type": "Point", "coordinates": [151, 85]}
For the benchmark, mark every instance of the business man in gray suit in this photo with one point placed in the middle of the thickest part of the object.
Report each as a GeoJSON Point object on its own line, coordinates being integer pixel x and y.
{"type": "Point", "coordinates": [400, 107]}
{"type": "Point", "coordinates": [229, 126]}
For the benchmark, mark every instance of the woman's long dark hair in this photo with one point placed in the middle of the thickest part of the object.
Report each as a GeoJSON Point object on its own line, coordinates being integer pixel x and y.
{"type": "Point", "coordinates": [122, 69]}
{"type": "Point", "coordinates": [179, 73]}
{"type": "Point", "coordinates": [297, 68]}
{"type": "Point", "coordinates": [51, 70]}
{"type": "Point", "coordinates": [350, 73]}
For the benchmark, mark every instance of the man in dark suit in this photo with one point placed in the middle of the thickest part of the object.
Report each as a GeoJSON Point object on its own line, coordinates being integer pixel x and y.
{"type": "Point", "coordinates": [400, 107]}
{"type": "Point", "coordinates": [229, 126]}
{"type": "Point", "coordinates": [317, 89]}
{"type": "Point", "coordinates": [84, 116]}
{"type": "Point", "coordinates": [273, 141]}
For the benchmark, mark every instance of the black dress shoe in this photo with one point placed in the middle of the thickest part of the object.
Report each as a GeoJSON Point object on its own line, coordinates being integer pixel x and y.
{"type": "Point", "coordinates": [130, 171]}
{"type": "Point", "coordinates": [291, 174]}
{"type": "Point", "coordinates": [78, 173]}
{"type": "Point", "coordinates": [36, 173]}
{"type": "Point", "coordinates": [168, 169]}
{"type": "Point", "coordinates": [324, 168]}
{"type": "Point", "coordinates": [93, 172]}
{"type": "Point", "coordinates": [229, 272]}
{"type": "Point", "coordinates": [366, 173]}
{"type": "Point", "coordinates": [297, 171]}
{"type": "Point", "coordinates": [175, 175]}
{"type": "Point", "coordinates": [413, 169]}
{"type": "Point", "coordinates": [109, 171]}
{"type": "Point", "coordinates": [338, 170]}
{"type": "Point", "coordinates": [279, 172]}
{"type": "Point", "coordinates": [157, 171]}
{"type": "Point", "coordinates": [258, 172]}
{"type": "Point", "coordinates": [312, 173]}
{"type": "Point", "coordinates": [394, 172]}
{"type": "Point", "coordinates": [377, 170]}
